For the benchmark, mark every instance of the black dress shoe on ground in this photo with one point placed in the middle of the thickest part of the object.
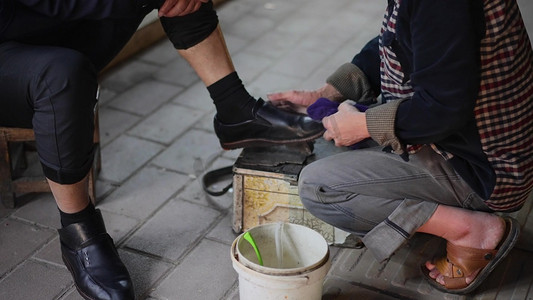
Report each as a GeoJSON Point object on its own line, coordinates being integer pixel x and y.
{"type": "Point", "coordinates": [91, 257]}
{"type": "Point", "coordinates": [271, 126]}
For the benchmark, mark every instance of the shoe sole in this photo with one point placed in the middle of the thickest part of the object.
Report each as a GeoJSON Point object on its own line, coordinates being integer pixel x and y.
{"type": "Point", "coordinates": [265, 143]}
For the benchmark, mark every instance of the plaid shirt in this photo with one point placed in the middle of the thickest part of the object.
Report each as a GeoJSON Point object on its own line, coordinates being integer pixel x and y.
{"type": "Point", "coordinates": [504, 106]}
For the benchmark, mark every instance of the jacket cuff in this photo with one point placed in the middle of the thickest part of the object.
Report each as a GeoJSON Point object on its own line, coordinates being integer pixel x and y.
{"type": "Point", "coordinates": [380, 122]}
{"type": "Point", "coordinates": [352, 83]}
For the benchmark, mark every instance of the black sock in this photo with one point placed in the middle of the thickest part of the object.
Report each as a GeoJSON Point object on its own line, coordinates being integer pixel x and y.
{"type": "Point", "coordinates": [232, 101]}
{"type": "Point", "coordinates": [85, 214]}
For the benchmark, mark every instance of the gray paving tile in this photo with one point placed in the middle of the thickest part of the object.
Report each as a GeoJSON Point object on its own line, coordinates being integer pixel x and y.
{"type": "Point", "coordinates": [299, 24]}
{"type": "Point", "coordinates": [278, 10]}
{"type": "Point", "coordinates": [145, 271]}
{"type": "Point", "coordinates": [194, 149]}
{"type": "Point", "coordinates": [232, 294]}
{"type": "Point", "coordinates": [298, 63]}
{"type": "Point", "coordinates": [173, 229]}
{"type": "Point", "coordinates": [234, 43]}
{"type": "Point", "coordinates": [206, 273]}
{"type": "Point", "coordinates": [195, 193]}
{"type": "Point", "coordinates": [270, 82]}
{"type": "Point", "coordinates": [251, 65]}
{"type": "Point", "coordinates": [124, 156]}
{"type": "Point", "coordinates": [272, 44]}
{"type": "Point", "coordinates": [319, 9]}
{"type": "Point", "coordinates": [144, 193]}
{"type": "Point", "coordinates": [19, 240]}
{"type": "Point", "coordinates": [232, 11]}
{"type": "Point", "coordinates": [195, 97]}
{"type": "Point", "coordinates": [4, 211]}
{"type": "Point", "coordinates": [118, 226]}
{"type": "Point", "coordinates": [113, 123]}
{"type": "Point", "coordinates": [167, 123]}
{"type": "Point", "coordinates": [145, 97]}
{"type": "Point", "coordinates": [339, 289]}
{"type": "Point", "coordinates": [105, 96]}
{"type": "Point", "coordinates": [232, 154]}
{"type": "Point", "coordinates": [129, 74]}
{"type": "Point", "coordinates": [103, 188]}
{"type": "Point", "coordinates": [51, 253]}
{"type": "Point", "coordinates": [162, 53]}
{"type": "Point", "coordinates": [223, 232]}
{"type": "Point", "coordinates": [177, 72]}
{"type": "Point", "coordinates": [35, 280]}
{"type": "Point", "coordinates": [250, 27]}
{"type": "Point", "coordinates": [206, 122]}
{"type": "Point", "coordinates": [41, 210]}
{"type": "Point", "coordinates": [72, 294]}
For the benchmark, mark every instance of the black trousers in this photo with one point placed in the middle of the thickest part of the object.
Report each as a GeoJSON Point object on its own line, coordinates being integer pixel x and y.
{"type": "Point", "coordinates": [48, 82]}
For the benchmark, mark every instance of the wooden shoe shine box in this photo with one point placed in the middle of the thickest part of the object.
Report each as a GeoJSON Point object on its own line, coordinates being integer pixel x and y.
{"type": "Point", "coordinates": [265, 187]}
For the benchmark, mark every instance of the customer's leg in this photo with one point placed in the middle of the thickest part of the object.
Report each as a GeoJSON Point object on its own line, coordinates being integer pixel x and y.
{"type": "Point", "coordinates": [53, 90]}
{"type": "Point", "coordinates": [240, 119]}
{"type": "Point", "coordinates": [380, 196]}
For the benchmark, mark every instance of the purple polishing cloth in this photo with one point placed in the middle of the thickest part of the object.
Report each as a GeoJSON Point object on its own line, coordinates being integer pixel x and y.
{"type": "Point", "coordinates": [324, 107]}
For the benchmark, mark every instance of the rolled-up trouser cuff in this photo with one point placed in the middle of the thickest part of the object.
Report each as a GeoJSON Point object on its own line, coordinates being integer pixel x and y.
{"type": "Point", "coordinates": [64, 176]}
{"type": "Point", "coordinates": [187, 31]}
{"type": "Point", "coordinates": [384, 239]}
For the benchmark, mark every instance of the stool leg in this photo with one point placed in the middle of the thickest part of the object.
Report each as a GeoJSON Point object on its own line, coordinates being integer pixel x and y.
{"type": "Point", "coordinates": [6, 188]}
{"type": "Point", "coordinates": [8, 199]}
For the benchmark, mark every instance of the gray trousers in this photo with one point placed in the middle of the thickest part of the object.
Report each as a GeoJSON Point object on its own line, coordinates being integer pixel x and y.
{"type": "Point", "coordinates": [380, 197]}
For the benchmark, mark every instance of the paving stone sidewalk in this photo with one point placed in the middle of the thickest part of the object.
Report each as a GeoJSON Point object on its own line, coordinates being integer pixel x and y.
{"type": "Point", "coordinates": [157, 141]}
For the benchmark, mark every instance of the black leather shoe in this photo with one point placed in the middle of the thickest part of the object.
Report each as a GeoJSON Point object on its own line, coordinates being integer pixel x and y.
{"type": "Point", "coordinates": [91, 257]}
{"type": "Point", "coordinates": [271, 126]}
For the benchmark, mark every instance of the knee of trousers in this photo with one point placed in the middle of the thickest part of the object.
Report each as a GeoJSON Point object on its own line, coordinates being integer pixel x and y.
{"type": "Point", "coordinates": [309, 186]}
{"type": "Point", "coordinates": [64, 96]}
{"type": "Point", "coordinates": [187, 31]}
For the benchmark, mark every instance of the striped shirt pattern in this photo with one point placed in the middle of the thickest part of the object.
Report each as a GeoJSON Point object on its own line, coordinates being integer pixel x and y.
{"type": "Point", "coordinates": [394, 85]}
{"type": "Point", "coordinates": [504, 106]}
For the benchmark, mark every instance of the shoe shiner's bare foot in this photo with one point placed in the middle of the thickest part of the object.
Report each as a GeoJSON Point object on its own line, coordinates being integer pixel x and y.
{"type": "Point", "coordinates": [476, 243]}
{"type": "Point", "coordinates": [485, 232]}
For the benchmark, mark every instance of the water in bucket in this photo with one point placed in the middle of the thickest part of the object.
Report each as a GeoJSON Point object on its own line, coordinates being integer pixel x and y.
{"type": "Point", "coordinates": [295, 262]}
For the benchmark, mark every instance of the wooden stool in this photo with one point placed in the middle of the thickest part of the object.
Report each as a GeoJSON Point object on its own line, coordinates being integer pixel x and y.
{"type": "Point", "coordinates": [14, 142]}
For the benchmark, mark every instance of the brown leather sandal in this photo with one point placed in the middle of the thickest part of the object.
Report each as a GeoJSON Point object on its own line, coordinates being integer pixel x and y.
{"type": "Point", "coordinates": [460, 262]}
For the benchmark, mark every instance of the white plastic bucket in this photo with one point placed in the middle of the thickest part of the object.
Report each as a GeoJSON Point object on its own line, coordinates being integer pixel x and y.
{"type": "Point", "coordinates": [295, 263]}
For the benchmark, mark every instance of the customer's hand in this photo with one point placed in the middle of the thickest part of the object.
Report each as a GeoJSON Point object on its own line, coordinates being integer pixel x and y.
{"type": "Point", "coordinates": [175, 8]}
{"type": "Point", "coordinates": [347, 126]}
{"type": "Point", "coordinates": [298, 101]}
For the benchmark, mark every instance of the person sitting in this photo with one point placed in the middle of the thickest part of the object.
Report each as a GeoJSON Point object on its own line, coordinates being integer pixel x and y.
{"type": "Point", "coordinates": [50, 55]}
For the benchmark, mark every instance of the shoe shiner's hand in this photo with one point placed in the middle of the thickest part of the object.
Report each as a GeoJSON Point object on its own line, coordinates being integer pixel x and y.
{"type": "Point", "coordinates": [174, 8]}
{"type": "Point", "coordinates": [298, 101]}
{"type": "Point", "coordinates": [347, 126]}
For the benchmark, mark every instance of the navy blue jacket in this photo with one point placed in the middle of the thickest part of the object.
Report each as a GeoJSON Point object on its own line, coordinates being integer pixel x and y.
{"type": "Point", "coordinates": [437, 44]}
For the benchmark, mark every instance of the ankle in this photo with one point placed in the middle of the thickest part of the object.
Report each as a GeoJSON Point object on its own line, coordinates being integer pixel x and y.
{"type": "Point", "coordinates": [88, 213]}
{"type": "Point", "coordinates": [482, 231]}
